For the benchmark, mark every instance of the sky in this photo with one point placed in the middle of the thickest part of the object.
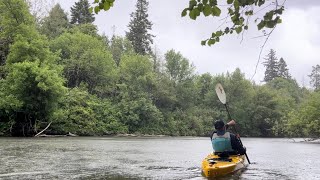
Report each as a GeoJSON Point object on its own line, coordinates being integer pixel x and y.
{"type": "Point", "coordinates": [296, 40]}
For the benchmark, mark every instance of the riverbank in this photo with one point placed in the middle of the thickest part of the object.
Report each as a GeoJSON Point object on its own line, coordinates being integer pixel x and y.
{"type": "Point", "coordinates": [306, 140]}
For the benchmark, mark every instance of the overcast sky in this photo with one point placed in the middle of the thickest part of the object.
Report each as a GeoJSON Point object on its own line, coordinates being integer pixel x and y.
{"type": "Point", "coordinates": [297, 39]}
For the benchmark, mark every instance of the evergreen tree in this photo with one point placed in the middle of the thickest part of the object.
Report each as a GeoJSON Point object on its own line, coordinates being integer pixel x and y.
{"type": "Point", "coordinates": [283, 70]}
{"type": "Point", "coordinates": [315, 77]}
{"type": "Point", "coordinates": [80, 13]}
{"type": "Point", "coordinates": [138, 29]}
{"type": "Point", "coordinates": [55, 23]}
{"type": "Point", "coordinates": [272, 66]}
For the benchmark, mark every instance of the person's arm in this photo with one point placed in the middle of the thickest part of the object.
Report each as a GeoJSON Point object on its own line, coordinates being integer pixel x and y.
{"type": "Point", "coordinates": [230, 123]}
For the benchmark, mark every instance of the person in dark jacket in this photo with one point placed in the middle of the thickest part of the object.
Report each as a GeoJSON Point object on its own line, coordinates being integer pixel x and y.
{"type": "Point", "coordinates": [225, 142]}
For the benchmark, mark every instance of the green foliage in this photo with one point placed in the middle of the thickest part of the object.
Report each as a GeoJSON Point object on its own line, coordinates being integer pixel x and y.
{"type": "Point", "coordinates": [119, 86]}
{"type": "Point", "coordinates": [56, 23]}
{"type": "Point", "coordinates": [85, 114]}
{"type": "Point", "coordinates": [305, 120]}
{"type": "Point", "coordinates": [85, 60]}
{"type": "Point", "coordinates": [136, 75]}
{"type": "Point", "coordinates": [32, 87]}
{"type": "Point", "coordinates": [139, 27]}
{"type": "Point", "coordinates": [315, 77]}
{"type": "Point", "coordinates": [271, 65]}
{"type": "Point", "coordinates": [283, 70]}
{"type": "Point", "coordinates": [239, 12]}
{"type": "Point", "coordinates": [120, 46]}
{"type": "Point", "coordinates": [178, 67]}
{"type": "Point", "coordinates": [80, 13]}
{"type": "Point", "coordinates": [15, 19]}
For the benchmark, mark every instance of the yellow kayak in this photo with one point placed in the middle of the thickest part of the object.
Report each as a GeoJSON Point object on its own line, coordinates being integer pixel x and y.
{"type": "Point", "coordinates": [215, 166]}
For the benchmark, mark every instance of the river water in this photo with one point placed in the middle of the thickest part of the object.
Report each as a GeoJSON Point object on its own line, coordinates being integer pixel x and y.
{"type": "Point", "coordinates": [148, 158]}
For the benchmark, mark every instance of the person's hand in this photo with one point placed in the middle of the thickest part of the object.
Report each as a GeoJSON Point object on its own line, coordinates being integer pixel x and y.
{"type": "Point", "coordinates": [238, 136]}
{"type": "Point", "coordinates": [232, 123]}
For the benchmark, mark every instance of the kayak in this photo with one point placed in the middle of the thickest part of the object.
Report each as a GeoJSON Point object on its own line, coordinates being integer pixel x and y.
{"type": "Point", "coordinates": [216, 166]}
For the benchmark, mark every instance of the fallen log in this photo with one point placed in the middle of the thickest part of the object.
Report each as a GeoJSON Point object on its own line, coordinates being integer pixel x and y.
{"type": "Point", "coordinates": [43, 130]}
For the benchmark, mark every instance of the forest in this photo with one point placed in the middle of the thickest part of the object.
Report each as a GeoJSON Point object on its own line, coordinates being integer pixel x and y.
{"type": "Point", "coordinates": [60, 71]}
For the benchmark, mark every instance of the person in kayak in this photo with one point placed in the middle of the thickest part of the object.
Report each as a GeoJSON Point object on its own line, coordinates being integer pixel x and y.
{"type": "Point", "coordinates": [226, 142]}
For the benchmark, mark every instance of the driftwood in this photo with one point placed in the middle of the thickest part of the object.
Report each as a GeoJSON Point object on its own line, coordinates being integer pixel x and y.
{"type": "Point", "coordinates": [43, 130]}
{"type": "Point", "coordinates": [58, 135]}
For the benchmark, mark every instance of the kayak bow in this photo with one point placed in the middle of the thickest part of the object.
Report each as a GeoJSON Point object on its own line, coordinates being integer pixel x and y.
{"type": "Point", "coordinates": [215, 166]}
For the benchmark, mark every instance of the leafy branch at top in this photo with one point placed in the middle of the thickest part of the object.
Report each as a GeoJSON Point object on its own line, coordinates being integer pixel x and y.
{"type": "Point", "coordinates": [239, 11]}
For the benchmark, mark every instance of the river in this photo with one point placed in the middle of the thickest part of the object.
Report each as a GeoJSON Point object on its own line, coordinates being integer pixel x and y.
{"type": "Point", "coordinates": [148, 158]}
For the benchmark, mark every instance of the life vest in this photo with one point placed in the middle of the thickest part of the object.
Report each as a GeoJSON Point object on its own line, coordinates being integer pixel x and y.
{"type": "Point", "coordinates": [221, 143]}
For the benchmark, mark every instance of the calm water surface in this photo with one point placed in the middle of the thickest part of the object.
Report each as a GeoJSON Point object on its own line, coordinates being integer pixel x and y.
{"type": "Point", "coordinates": [148, 158]}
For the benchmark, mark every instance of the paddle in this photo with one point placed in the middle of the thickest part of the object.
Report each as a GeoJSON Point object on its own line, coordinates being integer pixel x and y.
{"type": "Point", "coordinates": [223, 98]}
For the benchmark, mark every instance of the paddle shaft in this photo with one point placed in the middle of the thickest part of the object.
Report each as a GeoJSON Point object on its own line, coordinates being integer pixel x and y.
{"type": "Point", "coordinates": [236, 130]}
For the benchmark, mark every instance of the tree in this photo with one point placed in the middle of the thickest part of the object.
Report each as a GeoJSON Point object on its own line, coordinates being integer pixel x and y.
{"type": "Point", "coordinates": [239, 12]}
{"type": "Point", "coordinates": [80, 13]}
{"type": "Point", "coordinates": [283, 70]}
{"type": "Point", "coordinates": [54, 24]}
{"type": "Point", "coordinates": [315, 77]}
{"type": "Point", "coordinates": [118, 47]}
{"type": "Point", "coordinates": [178, 67]}
{"type": "Point", "coordinates": [305, 120]}
{"type": "Point", "coordinates": [14, 20]}
{"type": "Point", "coordinates": [272, 67]}
{"type": "Point", "coordinates": [85, 60]}
{"type": "Point", "coordinates": [33, 83]}
{"type": "Point", "coordinates": [139, 27]}
{"type": "Point", "coordinates": [85, 114]}
{"type": "Point", "coordinates": [39, 8]}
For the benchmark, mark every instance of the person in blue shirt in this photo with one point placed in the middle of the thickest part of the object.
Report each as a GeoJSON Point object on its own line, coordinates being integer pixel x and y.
{"type": "Point", "coordinates": [226, 142]}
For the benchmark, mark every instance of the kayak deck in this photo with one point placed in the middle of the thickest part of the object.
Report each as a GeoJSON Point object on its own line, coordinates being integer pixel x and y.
{"type": "Point", "coordinates": [215, 166]}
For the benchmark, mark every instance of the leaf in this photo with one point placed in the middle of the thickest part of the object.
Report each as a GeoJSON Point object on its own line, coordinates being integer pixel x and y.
{"type": "Point", "coordinates": [271, 24]}
{"type": "Point", "coordinates": [216, 11]}
{"type": "Point", "coordinates": [203, 43]}
{"type": "Point", "coordinates": [261, 24]}
{"type": "Point", "coordinates": [96, 9]}
{"type": "Point", "coordinates": [192, 14]}
{"type": "Point", "coordinates": [236, 5]}
{"type": "Point", "coordinates": [106, 6]}
{"type": "Point", "coordinates": [219, 33]}
{"type": "Point", "coordinates": [91, 10]}
{"type": "Point", "coordinates": [213, 34]}
{"type": "Point", "coordinates": [96, 1]}
{"type": "Point", "coordinates": [231, 12]}
{"type": "Point", "coordinates": [238, 29]}
{"type": "Point", "coordinates": [229, 1]}
{"type": "Point", "coordinates": [217, 39]}
{"type": "Point", "coordinates": [101, 5]}
{"type": "Point", "coordinates": [184, 12]}
{"type": "Point", "coordinates": [279, 21]}
{"type": "Point", "coordinates": [246, 27]}
{"type": "Point", "coordinates": [211, 42]}
{"type": "Point", "coordinates": [268, 16]}
{"type": "Point", "coordinates": [197, 11]}
{"type": "Point", "coordinates": [192, 3]}
{"type": "Point", "coordinates": [207, 10]}
{"type": "Point", "coordinates": [261, 2]}
{"type": "Point", "coordinates": [227, 30]}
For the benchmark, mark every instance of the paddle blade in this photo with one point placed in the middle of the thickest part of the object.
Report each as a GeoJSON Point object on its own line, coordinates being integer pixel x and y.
{"type": "Point", "coordinates": [221, 94]}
